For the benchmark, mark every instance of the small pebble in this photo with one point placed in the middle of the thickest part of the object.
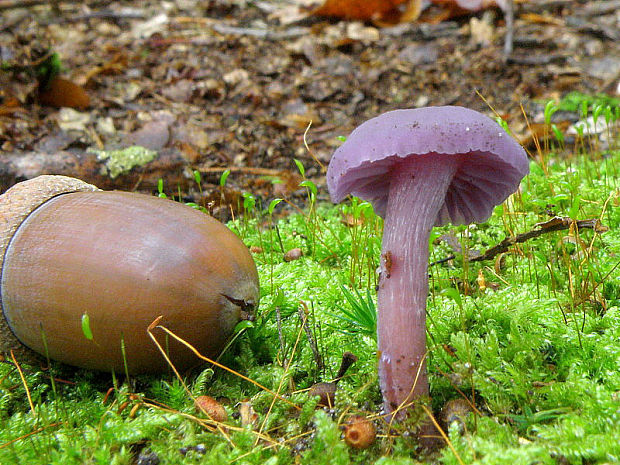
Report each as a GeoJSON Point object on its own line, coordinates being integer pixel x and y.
{"type": "Point", "coordinates": [147, 457]}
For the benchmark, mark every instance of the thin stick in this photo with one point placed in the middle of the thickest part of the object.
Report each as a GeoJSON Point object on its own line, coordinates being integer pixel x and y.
{"type": "Point", "coordinates": [323, 169]}
{"type": "Point", "coordinates": [11, 4]}
{"type": "Point", "coordinates": [163, 352]}
{"type": "Point", "coordinates": [558, 223]}
{"type": "Point", "coordinates": [36, 431]}
{"type": "Point", "coordinates": [509, 18]}
{"type": "Point", "coordinates": [155, 324]}
{"type": "Point", "coordinates": [443, 435]}
{"type": "Point", "coordinates": [21, 375]}
{"type": "Point", "coordinates": [244, 169]}
{"type": "Point", "coordinates": [555, 224]}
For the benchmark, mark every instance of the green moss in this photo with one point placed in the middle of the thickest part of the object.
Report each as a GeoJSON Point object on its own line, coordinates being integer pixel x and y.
{"type": "Point", "coordinates": [327, 448]}
{"type": "Point", "coordinates": [537, 350]}
{"type": "Point", "coordinates": [117, 162]}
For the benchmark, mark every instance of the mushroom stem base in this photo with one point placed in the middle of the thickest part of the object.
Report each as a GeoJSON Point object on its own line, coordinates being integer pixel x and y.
{"type": "Point", "coordinates": [417, 192]}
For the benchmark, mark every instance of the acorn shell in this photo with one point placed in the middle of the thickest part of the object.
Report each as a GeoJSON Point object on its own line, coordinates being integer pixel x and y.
{"type": "Point", "coordinates": [119, 260]}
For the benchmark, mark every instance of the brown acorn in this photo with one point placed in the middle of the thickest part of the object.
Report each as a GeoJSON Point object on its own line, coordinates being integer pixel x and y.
{"type": "Point", "coordinates": [70, 252]}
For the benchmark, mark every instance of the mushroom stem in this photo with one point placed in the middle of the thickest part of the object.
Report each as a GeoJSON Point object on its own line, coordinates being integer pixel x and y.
{"type": "Point", "coordinates": [417, 192]}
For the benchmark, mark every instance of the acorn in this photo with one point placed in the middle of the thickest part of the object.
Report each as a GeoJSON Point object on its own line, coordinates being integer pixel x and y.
{"type": "Point", "coordinates": [84, 272]}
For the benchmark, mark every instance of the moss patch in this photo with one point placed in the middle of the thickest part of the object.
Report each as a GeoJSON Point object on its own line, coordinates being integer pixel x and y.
{"type": "Point", "coordinates": [122, 161]}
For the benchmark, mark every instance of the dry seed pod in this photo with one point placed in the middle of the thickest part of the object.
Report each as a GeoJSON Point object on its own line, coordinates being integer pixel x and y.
{"type": "Point", "coordinates": [359, 432]}
{"type": "Point", "coordinates": [210, 406]}
{"type": "Point", "coordinates": [326, 393]}
{"type": "Point", "coordinates": [68, 250]}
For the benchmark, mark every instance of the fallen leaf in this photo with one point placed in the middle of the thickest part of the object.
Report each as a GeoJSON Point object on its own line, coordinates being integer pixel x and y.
{"type": "Point", "coordinates": [481, 32]}
{"type": "Point", "coordinates": [11, 105]}
{"type": "Point", "coordinates": [61, 92]}
{"type": "Point", "coordinates": [535, 18]}
{"type": "Point", "coordinates": [363, 10]}
{"type": "Point", "coordinates": [72, 120]}
{"type": "Point", "coordinates": [211, 407]}
{"type": "Point", "coordinates": [293, 254]}
{"type": "Point", "coordinates": [482, 285]}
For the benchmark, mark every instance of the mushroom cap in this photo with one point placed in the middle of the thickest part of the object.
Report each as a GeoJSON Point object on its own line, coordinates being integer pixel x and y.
{"type": "Point", "coordinates": [492, 162]}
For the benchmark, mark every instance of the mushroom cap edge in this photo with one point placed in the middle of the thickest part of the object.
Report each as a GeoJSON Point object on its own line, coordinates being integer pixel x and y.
{"type": "Point", "coordinates": [493, 163]}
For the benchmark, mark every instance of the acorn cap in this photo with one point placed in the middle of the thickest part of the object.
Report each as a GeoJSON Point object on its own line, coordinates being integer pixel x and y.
{"type": "Point", "coordinates": [15, 206]}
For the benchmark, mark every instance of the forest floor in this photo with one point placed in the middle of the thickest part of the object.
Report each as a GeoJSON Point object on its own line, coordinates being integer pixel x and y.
{"type": "Point", "coordinates": [232, 84]}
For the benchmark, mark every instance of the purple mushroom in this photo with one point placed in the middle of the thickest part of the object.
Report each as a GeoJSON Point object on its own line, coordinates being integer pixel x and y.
{"type": "Point", "coordinates": [420, 168]}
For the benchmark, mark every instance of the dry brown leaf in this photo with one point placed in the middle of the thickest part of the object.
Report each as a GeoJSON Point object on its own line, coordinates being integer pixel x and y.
{"type": "Point", "coordinates": [363, 10]}
{"type": "Point", "coordinates": [63, 93]}
{"type": "Point", "coordinates": [412, 12]}
{"type": "Point", "coordinates": [10, 105]}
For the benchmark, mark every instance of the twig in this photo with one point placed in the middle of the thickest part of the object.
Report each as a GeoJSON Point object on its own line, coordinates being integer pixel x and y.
{"type": "Point", "coordinates": [598, 8]}
{"type": "Point", "coordinates": [21, 375]}
{"type": "Point", "coordinates": [558, 223]}
{"type": "Point", "coordinates": [103, 15]}
{"type": "Point", "coordinates": [265, 34]}
{"type": "Point", "coordinates": [544, 5]}
{"type": "Point", "coordinates": [244, 169]}
{"type": "Point", "coordinates": [537, 59]}
{"type": "Point", "coordinates": [260, 33]}
{"type": "Point", "coordinates": [36, 431]}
